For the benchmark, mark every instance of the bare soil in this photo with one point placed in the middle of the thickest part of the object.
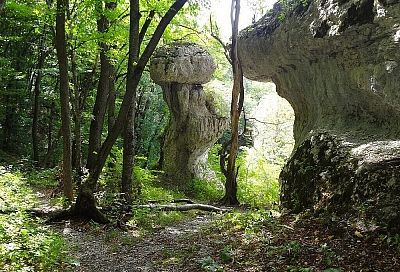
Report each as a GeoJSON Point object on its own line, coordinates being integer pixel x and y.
{"type": "Point", "coordinates": [206, 243]}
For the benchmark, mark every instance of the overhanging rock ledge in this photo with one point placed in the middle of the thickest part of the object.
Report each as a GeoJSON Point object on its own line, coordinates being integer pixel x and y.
{"type": "Point", "coordinates": [338, 64]}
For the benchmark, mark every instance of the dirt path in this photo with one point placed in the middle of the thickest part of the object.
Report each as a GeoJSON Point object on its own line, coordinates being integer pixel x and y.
{"type": "Point", "coordinates": [116, 251]}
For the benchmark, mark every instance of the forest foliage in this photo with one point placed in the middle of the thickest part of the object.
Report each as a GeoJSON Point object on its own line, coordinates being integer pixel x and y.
{"type": "Point", "coordinates": [31, 128]}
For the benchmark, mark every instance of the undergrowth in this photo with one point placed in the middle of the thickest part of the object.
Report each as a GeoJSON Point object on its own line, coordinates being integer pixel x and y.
{"type": "Point", "coordinates": [258, 184]}
{"type": "Point", "coordinates": [25, 244]}
{"type": "Point", "coordinates": [152, 188]}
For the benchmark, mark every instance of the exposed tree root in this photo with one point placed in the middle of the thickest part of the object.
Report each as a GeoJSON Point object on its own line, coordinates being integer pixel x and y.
{"type": "Point", "coordinates": [84, 208]}
{"type": "Point", "coordinates": [76, 214]}
{"type": "Point", "coordinates": [34, 212]}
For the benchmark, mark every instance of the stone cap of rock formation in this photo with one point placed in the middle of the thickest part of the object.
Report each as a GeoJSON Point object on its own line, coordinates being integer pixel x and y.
{"type": "Point", "coordinates": [185, 63]}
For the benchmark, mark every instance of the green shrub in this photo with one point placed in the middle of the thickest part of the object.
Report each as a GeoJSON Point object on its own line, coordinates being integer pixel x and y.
{"type": "Point", "coordinates": [206, 190]}
{"type": "Point", "coordinates": [258, 184]}
{"type": "Point", "coordinates": [27, 246]}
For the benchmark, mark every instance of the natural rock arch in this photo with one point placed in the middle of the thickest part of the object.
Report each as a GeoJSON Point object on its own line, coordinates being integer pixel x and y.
{"type": "Point", "coordinates": [338, 64]}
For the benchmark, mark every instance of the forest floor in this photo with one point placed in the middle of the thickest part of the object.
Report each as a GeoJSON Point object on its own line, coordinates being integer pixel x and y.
{"type": "Point", "coordinates": [238, 241]}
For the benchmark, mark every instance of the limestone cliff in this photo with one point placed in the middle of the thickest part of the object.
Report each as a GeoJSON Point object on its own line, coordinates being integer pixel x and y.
{"type": "Point", "coordinates": [194, 127]}
{"type": "Point", "coordinates": [338, 64]}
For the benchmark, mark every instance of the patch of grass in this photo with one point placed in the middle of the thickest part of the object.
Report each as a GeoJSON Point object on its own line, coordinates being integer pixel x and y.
{"type": "Point", "coordinates": [291, 249]}
{"type": "Point", "coordinates": [332, 270]}
{"type": "Point", "coordinates": [111, 235]}
{"type": "Point", "coordinates": [178, 255]}
{"type": "Point", "coordinates": [251, 221]}
{"type": "Point", "coordinates": [392, 240]}
{"type": "Point", "coordinates": [299, 269]}
{"type": "Point", "coordinates": [210, 265]}
{"type": "Point", "coordinates": [171, 256]}
{"type": "Point", "coordinates": [148, 220]}
{"type": "Point", "coordinates": [25, 244]}
{"type": "Point", "coordinates": [227, 254]}
{"type": "Point", "coordinates": [329, 256]}
{"type": "Point", "coordinates": [43, 178]}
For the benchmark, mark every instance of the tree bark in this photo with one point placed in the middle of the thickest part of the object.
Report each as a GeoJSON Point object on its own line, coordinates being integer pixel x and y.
{"type": "Point", "coordinates": [129, 134]}
{"type": "Point", "coordinates": [230, 197]}
{"type": "Point", "coordinates": [100, 105]}
{"type": "Point", "coordinates": [112, 96]}
{"type": "Point", "coordinates": [85, 204]}
{"type": "Point", "coordinates": [128, 159]}
{"type": "Point", "coordinates": [61, 47]}
{"type": "Point", "coordinates": [77, 117]}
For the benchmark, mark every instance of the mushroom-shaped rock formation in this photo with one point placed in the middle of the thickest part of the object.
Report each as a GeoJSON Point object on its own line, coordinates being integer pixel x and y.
{"type": "Point", "coordinates": [338, 64]}
{"type": "Point", "coordinates": [194, 127]}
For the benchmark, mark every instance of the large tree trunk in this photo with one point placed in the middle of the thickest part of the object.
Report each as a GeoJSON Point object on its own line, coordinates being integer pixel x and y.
{"type": "Point", "coordinates": [64, 96]}
{"type": "Point", "coordinates": [85, 204]}
{"type": "Point", "coordinates": [230, 197]}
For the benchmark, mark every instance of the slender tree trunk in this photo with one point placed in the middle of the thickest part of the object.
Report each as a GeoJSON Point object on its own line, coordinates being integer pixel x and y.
{"type": "Point", "coordinates": [85, 203]}
{"type": "Point", "coordinates": [128, 159]}
{"type": "Point", "coordinates": [50, 146]}
{"type": "Point", "coordinates": [112, 96]}
{"type": "Point", "coordinates": [100, 105]}
{"type": "Point", "coordinates": [8, 124]}
{"type": "Point", "coordinates": [35, 119]}
{"type": "Point", "coordinates": [36, 105]}
{"type": "Point", "coordinates": [230, 197]}
{"type": "Point", "coordinates": [77, 141]}
{"type": "Point", "coordinates": [129, 134]}
{"type": "Point", "coordinates": [61, 47]}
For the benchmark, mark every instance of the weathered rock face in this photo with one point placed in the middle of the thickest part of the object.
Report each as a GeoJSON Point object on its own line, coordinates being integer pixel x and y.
{"type": "Point", "coordinates": [180, 69]}
{"type": "Point", "coordinates": [338, 64]}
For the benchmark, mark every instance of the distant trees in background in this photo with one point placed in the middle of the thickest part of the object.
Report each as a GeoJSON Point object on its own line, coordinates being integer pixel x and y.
{"type": "Point", "coordinates": [74, 87]}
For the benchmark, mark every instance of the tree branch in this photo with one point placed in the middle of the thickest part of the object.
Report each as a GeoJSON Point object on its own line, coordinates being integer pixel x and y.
{"type": "Point", "coordinates": [218, 39]}
{"type": "Point", "coordinates": [145, 26]}
{"type": "Point", "coordinates": [184, 207]}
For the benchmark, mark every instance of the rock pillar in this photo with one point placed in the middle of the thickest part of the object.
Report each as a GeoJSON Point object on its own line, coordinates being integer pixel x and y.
{"type": "Point", "coordinates": [194, 127]}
